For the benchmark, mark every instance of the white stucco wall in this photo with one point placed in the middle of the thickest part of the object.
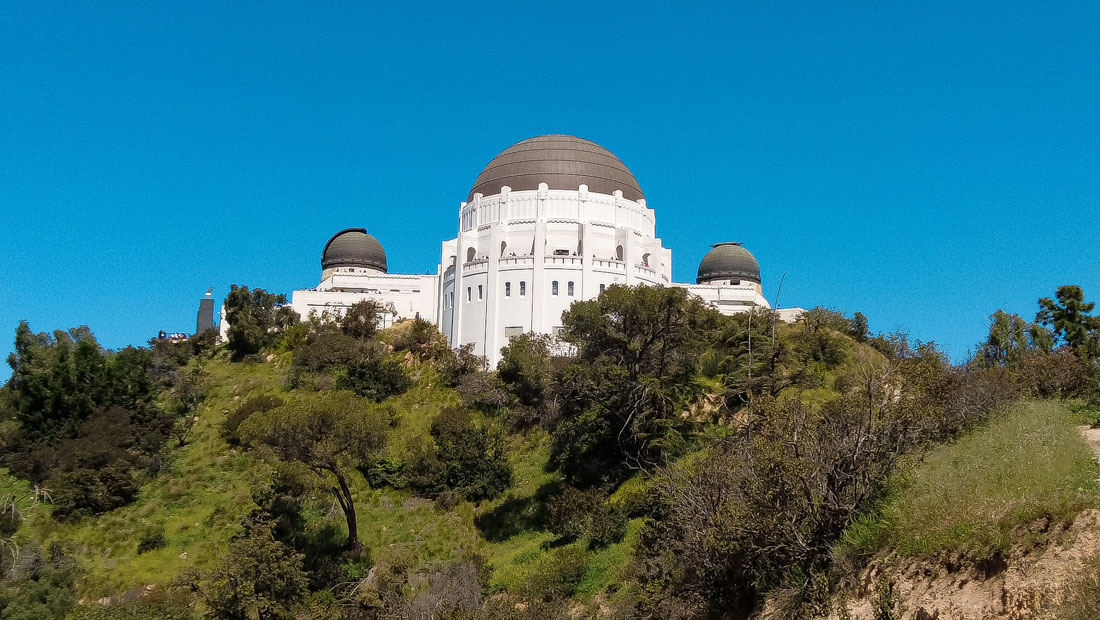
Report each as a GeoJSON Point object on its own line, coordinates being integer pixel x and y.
{"type": "Point", "coordinates": [407, 296]}
{"type": "Point", "coordinates": [512, 247]}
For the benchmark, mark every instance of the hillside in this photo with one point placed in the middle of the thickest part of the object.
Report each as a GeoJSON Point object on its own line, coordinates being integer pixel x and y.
{"type": "Point", "coordinates": [205, 490]}
{"type": "Point", "coordinates": [999, 524]}
{"type": "Point", "coordinates": [669, 462]}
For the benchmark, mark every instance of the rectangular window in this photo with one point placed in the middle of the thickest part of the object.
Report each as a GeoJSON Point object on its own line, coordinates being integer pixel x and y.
{"type": "Point", "coordinates": [522, 288]}
{"type": "Point", "coordinates": [512, 332]}
{"type": "Point", "coordinates": [507, 289]}
{"type": "Point", "coordinates": [469, 295]}
{"type": "Point", "coordinates": [570, 289]}
{"type": "Point", "coordinates": [480, 291]}
{"type": "Point", "coordinates": [554, 287]}
{"type": "Point", "coordinates": [602, 287]}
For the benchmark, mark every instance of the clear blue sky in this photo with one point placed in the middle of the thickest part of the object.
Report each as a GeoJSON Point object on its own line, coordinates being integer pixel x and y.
{"type": "Point", "coordinates": [924, 164]}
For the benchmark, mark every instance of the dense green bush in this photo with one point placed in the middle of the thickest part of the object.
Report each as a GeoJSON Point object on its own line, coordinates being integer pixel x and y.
{"type": "Point", "coordinates": [258, 578]}
{"type": "Point", "coordinates": [376, 378]}
{"type": "Point", "coordinates": [467, 457]}
{"type": "Point", "coordinates": [386, 471]}
{"type": "Point", "coordinates": [558, 574]}
{"type": "Point", "coordinates": [151, 539]}
{"type": "Point", "coordinates": [584, 514]}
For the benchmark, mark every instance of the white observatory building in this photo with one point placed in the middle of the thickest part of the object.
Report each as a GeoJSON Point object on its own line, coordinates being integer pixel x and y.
{"type": "Point", "coordinates": [549, 221]}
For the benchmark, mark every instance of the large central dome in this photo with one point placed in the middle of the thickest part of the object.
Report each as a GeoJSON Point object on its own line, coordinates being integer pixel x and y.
{"type": "Point", "coordinates": [560, 161]}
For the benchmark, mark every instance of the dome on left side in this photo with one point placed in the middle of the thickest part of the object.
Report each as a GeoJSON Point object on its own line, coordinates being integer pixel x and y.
{"type": "Point", "coordinates": [353, 247]}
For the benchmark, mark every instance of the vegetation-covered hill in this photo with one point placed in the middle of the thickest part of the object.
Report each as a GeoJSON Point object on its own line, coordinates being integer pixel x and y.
{"type": "Point", "coordinates": [659, 461]}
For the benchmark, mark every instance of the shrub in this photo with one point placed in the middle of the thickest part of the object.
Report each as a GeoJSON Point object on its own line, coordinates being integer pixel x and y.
{"type": "Point", "coordinates": [606, 526]}
{"type": "Point", "coordinates": [575, 514]}
{"type": "Point", "coordinates": [325, 348]}
{"type": "Point", "coordinates": [259, 577]}
{"type": "Point", "coordinates": [558, 575]}
{"type": "Point", "coordinates": [385, 471]}
{"type": "Point", "coordinates": [151, 540]}
{"type": "Point", "coordinates": [91, 491]}
{"type": "Point", "coordinates": [1058, 374]}
{"type": "Point", "coordinates": [419, 337]}
{"type": "Point", "coordinates": [233, 419]}
{"type": "Point", "coordinates": [569, 513]}
{"type": "Point", "coordinates": [473, 456]}
{"type": "Point", "coordinates": [376, 378]}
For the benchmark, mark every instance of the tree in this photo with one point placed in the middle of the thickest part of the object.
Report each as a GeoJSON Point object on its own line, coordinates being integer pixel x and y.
{"type": "Point", "coordinates": [1069, 316]}
{"type": "Point", "coordinates": [191, 390]}
{"type": "Point", "coordinates": [633, 375]}
{"type": "Point", "coordinates": [1010, 336]}
{"type": "Point", "coordinates": [331, 433]}
{"type": "Point", "coordinates": [858, 328]}
{"type": "Point", "coordinates": [256, 319]}
{"type": "Point", "coordinates": [259, 578]}
{"type": "Point", "coordinates": [361, 320]}
{"type": "Point", "coordinates": [527, 369]}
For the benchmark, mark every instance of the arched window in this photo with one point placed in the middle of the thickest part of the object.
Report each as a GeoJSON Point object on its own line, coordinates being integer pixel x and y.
{"type": "Point", "coordinates": [569, 289]}
{"type": "Point", "coordinates": [503, 246]}
{"type": "Point", "coordinates": [507, 289]}
{"type": "Point", "coordinates": [554, 287]}
{"type": "Point", "coordinates": [619, 252]}
{"type": "Point", "coordinates": [645, 259]}
{"type": "Point", "coordinates": [469, 255]}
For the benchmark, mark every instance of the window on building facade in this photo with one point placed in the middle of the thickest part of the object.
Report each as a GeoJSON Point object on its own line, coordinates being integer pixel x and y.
{"type": "Point", "coordinates": [522, 288]}
{"type": "Point", "coordinates": [570, 289]}
{"type": "Point", "coordinates": [468, 295]}
{"type": "Point", "coordinates": [507, 289]}
{"type": "Point", "coordinates": [512, 332]}
{"type": "Point", "coordinates": [602, 287]}
{"type": "Point", "coordinates": [554, 287]}
{"type": "Point", "coordinates": [480, 291]}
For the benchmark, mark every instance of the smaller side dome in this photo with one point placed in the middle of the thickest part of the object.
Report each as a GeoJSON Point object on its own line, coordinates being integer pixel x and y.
{"type": "Point", "coordinates": [353, 247]}
{"type": "Point", "coordinates": [728, 261]}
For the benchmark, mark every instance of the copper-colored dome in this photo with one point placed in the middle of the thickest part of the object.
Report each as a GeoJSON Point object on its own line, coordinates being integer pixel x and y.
{"type": "Point", "coordinates": [728, 261]}
{"type": "Point", "coordinates": [560, 161]}
{"type": "Point", "coordinates": [353, 247]}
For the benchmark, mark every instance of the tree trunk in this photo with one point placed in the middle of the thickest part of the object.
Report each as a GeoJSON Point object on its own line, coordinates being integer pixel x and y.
{"type": "Point", "coordinates": [343, 495]}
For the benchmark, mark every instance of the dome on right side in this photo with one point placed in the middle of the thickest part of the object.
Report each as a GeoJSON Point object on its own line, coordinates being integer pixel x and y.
{"type": "Point", "coordinates": [728, 261]}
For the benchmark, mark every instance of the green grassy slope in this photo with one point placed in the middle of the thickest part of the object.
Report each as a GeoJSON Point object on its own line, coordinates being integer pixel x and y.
{"type": "Point", "coordinates": [974, 494]}
{"type": "Point", "coordinates": [205, 489]}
